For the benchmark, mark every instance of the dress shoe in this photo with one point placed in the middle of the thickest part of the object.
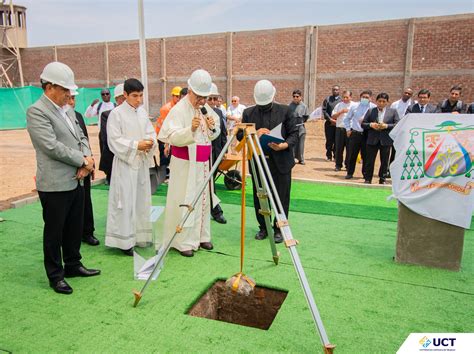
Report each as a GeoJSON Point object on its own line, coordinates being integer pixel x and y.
{"type": "Point", "coordinates": [128, 252]}
{"type": "Point", "coordinates": [302, 163]}
{"type": "Point", "coordinates": [90, 240]}
{"type": "Point", "coordinates": [367, 181]}
{"type": "Point", "coordinates": [381, 181]}
{"type": "Point", "coordinates": [278, 237]}
{"type": "Point", "coordinates": [207, 245]}
{"type": "Point", "coordinates": [262, 234]}
{"type": "Point", "coordinates": [348, 177]}
{"type": "Point", "coordinates": [80, 271]}
{"type": "Point", "coordinates": [188, 253]}
{"type": "Point", "coordinates": [61, 287]}
{"type": "Point", "coordinates": [220, 219]}
{"type": "Point", "coordinates": [337, 169]}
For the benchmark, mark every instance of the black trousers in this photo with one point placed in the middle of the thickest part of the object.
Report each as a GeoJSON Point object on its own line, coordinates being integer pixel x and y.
{"type": "Point", "coordinates": [340, 145]}
{"type": "Point", "coordinates": [384, 157]}
{"type": "Point", "coordinates": [283, 186]}
{"type": "Point", "coordinates": [392, 158]}
{"type": "Point", "coordinates": [299, 147]}
{"type": "Point", "coordinates": [63, 214]}
{"type": "Point", "coordinates": [88, 211]}
{"type": "Point", "coordinates": [357, 143]}
{"type": "Point", "coordinates": [330, 133]}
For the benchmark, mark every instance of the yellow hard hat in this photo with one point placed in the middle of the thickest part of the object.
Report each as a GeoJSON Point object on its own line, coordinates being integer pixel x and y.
{"type": "Point", "coordinates": [175, 91]}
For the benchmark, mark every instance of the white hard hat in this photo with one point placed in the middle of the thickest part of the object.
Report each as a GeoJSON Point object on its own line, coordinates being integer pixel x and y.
{"type": "Point", "coordinates": [118, 90]}
{"type": "Point", "coordinates": [59, 74]}
{"type": "Point", "coordinates": [214, 90]}
{"type": "Point", "coordinates": [74, 92]}
{"type": "Point", "coordinates": [200, 82]}
{"type": "Point", "coordinates": [264, 92]}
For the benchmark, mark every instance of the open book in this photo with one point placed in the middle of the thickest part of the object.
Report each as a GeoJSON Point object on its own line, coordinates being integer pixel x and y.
{"type": "Point", "coordinates": [273, 137]}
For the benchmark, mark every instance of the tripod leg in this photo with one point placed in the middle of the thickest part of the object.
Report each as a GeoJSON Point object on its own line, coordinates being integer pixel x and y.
{"type": "Point", "coordinates": [139, 294]}
{"type": "Point", "coordinates": [290, 243]}
{"type": "Point", "coordinates": [265, 210]}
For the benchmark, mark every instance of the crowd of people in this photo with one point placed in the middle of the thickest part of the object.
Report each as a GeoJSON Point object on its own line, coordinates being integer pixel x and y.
{"type": "Point", "coordinates": [186, 139]}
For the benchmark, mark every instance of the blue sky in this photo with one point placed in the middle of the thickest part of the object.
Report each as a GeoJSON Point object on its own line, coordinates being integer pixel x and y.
{"type": "Point", "coordinates": [55, 22]}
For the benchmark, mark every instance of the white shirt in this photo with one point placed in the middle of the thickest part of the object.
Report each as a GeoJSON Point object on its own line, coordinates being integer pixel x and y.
{"type": "Point", "coordinates": [234, 111]}
{"type": "Point", "coordinates": [92, 110]}
{"type": "Point", "coordinates": [381, 115]}
{"type": "Point", "coordinates": [339, 107]}
{"type": "Point", "coordinates": [401, 106]}
{"type": "Point", "coordinates": [63, 114]}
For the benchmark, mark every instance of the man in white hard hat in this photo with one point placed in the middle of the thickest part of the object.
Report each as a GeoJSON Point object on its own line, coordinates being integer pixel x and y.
{"type": "Point", "coordinates": [89, 228]}
{"type": "Point", "coordinates": [190, 132]}
{"type": "Point", "coordinates": [266, 115]}
{"type": "Point", "coordinates": [132, 139]}
{"type": "Point", "coordinates": [217, 145]}
{"type": "Point", "coordinates": [63, 159]}
{"type": "Point", "coordinates": [107, 156]}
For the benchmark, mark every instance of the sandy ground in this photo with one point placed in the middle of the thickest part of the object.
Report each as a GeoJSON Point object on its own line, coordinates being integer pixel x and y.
{"type": "Point", "coordinates": [18, 162]}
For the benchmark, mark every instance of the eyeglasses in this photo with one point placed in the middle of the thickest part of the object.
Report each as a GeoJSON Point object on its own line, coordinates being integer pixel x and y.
{"type": "Point", "coordinates": [213, 99]}
{"type": "Point", "coordinates": [201, 97]}
{"type": "Point", "coordinates": [234, 101]}
{"type": "Point", "coordinates": [105, 94]}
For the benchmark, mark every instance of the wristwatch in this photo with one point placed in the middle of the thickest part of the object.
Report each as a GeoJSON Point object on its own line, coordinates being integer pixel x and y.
{"type": "Point", "coordinates": [85, 163]}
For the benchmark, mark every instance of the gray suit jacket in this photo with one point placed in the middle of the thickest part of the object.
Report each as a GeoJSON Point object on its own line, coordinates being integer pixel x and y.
{"type": "Point", "coordinates": [59, 150]}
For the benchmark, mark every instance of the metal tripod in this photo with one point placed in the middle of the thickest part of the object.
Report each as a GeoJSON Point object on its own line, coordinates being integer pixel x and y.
{"type": "Point", "coordinates": [268, 196]}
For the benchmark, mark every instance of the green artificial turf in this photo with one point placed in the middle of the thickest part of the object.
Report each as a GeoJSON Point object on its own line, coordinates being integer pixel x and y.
{"type": "Point", "coordinates": [347, 237]}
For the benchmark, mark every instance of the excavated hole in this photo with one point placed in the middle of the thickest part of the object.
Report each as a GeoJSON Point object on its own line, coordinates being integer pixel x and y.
{"type": "Point", "coordinates": [256, 310]}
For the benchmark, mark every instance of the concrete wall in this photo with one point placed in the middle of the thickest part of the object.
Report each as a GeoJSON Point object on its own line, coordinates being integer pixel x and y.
{"type": "Point", "coordinates": [434, 52]}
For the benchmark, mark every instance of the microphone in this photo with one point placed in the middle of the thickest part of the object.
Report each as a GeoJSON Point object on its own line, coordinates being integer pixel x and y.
{"type": "Point", "coordinates": [204, 113]}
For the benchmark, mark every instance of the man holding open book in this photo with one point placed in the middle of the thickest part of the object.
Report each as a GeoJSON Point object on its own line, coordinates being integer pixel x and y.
{"type": "Point", "coordinates": [278, 146]}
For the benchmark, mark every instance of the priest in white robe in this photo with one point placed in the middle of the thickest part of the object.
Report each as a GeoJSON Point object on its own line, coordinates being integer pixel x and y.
{"type": "Point", "coordinates": [190, 133]}
{"type": "Point", "coordinates": [132, 138]}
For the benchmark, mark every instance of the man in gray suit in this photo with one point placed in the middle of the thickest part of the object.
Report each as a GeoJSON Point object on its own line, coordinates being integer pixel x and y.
{"type": "Point", "coordinates": [63, 159]}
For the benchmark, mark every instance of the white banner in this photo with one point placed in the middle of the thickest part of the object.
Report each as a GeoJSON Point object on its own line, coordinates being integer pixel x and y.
{"type": "Point", "coordinates": [432, 173]}
{"type": "Point", "coordinates": [416, 343]}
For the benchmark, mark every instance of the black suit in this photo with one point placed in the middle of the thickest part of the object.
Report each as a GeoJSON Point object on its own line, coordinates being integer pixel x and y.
{"type": "Point", "coordinates": [330, 129]}
{"type": "Point", "coordinates": [217, 146]}
{"type": "Point", "coordinates": [279, 162]}
{"type": "Point", "coordinates": [378, 140]}
{"type": "Point", "coordinates": [88, 211]}
{"type": "Point", "coordinates": [107, 156]}
{"type": "Point", "coordinates": [416, 108]}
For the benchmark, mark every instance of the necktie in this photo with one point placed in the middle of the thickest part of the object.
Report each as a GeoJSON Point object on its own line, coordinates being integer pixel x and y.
{"type": "Point", "coordinates": [422, 109]}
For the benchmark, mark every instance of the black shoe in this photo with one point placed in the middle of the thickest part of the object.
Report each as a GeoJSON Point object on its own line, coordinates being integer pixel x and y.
{"type": "Point", "coordinates": [206, 245]}
{"type": "Point", "coordinates": [367, 181]}
{"type": "Point", "coordinates": [348, 177]}
{"type": "Point", "coordinates": [337, 169]}
{"type": "Point", "coordinates": [61, 287]}
{"type": "Point", "coordinates": [220, 219]}
{"type": "Point", "coordinates": [381, 181]}
{"type": "Point", "coordinates": [189, 253]}
{"type": "Point", "coordinates": [128, 252]}
{"type": "Point", "coordinates": [80, 271]}
{"type": "Point", "coordinates": [278, 237]}
{"type": "Point", "coordinates": [302, 163]}
{"type": "Point", "coordinates": [90, 240]}
{"type": "Point", "coordinates": [262, 234]}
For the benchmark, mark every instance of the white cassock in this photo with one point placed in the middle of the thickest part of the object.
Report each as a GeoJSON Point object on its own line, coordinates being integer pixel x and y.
{"type": "Point", "coordinates": [128, 214]}
{"type": "Point", "coordinates": [187, 175]}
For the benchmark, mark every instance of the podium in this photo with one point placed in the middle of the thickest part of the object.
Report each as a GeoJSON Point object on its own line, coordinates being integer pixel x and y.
{"type": "Point", "coordinates": [428, 242]}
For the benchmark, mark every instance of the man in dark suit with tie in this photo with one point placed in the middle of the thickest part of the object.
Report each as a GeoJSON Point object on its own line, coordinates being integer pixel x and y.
{"type": "Point", "coordinates": [88, 231]}
{"type": "Point", "coordinates": [63, 159]}
{"type": "Point", "coordinates": [423, 105]}
{"type": "Point", "coordinates": [266, 115]}
{"type": "Point", "coordinates": [378, 122]}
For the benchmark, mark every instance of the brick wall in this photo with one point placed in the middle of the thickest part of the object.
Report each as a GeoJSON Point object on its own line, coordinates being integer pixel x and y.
{"type": "Point", "coordinates": [434, 52]}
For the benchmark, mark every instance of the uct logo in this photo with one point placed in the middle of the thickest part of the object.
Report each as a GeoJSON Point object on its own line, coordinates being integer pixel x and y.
{"type": "Point", "coordinates": [437, 342]}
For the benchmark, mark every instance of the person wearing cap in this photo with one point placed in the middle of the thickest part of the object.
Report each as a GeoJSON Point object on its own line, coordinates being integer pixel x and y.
{"type": "Point", "coordinates": [132, 139]}
{"type": "Point", "coordinates": [164, 110]}
{"type": "Point", "coordinates": [88, 229]}
{"type": "Point", "coordinates": [63, 158]}
{"type": "Point", "coordinates": [190, 132]}
{"type": "Point", "coordinates": [107, 156]}
{"type": "Point", "coordinates": [266, 115]}
{"type": "Point", "coordinates": [217, 145]}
